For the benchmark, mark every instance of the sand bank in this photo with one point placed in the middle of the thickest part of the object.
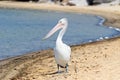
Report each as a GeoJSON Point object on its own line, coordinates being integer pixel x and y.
{"type": "Point", "coordinates": [93, 61]}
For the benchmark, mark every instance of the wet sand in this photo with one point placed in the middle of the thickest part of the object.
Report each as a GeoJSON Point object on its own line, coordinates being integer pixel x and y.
{"type": "Point", "coordinates": [93, 61]}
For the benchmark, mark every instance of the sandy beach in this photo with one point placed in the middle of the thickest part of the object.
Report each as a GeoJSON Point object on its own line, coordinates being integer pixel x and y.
{"type": "Point", "coordinates": [92, 61]}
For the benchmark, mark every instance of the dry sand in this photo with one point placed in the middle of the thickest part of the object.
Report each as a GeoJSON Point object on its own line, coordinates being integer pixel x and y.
{"type": "Point", "coordinates": [93, 61]}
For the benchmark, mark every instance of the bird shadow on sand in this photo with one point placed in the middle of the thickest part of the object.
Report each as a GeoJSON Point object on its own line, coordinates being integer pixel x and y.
{"type": "Point", "coordinates": [54, 73]}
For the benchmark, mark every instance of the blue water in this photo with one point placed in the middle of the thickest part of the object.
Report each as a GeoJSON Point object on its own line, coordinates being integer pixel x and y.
{"type": "Point", "coordinates": [21, 31]}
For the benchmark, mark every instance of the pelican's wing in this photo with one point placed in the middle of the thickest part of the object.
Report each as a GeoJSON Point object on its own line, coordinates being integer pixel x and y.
{"type": "Point", "coordinates": [69, 49]}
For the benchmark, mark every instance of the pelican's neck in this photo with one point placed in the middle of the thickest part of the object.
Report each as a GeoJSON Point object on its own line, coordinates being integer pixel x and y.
{"type": "Point", "coordinates": [61, 33]}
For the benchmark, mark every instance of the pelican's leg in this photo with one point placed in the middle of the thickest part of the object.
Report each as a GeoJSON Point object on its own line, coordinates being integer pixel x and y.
{"type": "Point", "coordinates": [58, 66]}
{"type": "Point", "coordinates": [66, 67]}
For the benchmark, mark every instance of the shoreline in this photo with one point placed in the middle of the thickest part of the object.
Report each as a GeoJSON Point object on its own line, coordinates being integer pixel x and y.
{"type": "Point", "coordinates": [16, 67]}
{"type": "Point", "coordinates": [93, 10]}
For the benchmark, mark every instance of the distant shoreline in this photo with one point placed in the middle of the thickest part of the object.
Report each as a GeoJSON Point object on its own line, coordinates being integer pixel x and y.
{"type": "Point", "coordinates": [15, 67]}
{"type": "Point", "coordinates": [104, 11]}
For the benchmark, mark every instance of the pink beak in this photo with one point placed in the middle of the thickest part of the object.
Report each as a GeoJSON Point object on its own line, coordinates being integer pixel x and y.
{"type": "Point", "coordinates": [56, 28]}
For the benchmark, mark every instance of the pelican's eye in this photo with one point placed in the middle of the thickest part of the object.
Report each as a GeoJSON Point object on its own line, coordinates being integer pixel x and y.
{"type": "Point", "coordinates": [60, 21]}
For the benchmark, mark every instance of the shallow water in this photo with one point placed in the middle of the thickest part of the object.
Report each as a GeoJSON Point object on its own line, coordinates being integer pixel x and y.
{"type": "Point", "coordinates": [21, 31]}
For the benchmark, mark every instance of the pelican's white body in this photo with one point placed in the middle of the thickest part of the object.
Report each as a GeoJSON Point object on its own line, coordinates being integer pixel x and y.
{"type": "Point", "coordinates": [62, 53]}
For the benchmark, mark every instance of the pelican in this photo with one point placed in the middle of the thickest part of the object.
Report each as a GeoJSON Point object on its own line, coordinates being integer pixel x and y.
{"type": "Point", "coordinates": [62, 51]}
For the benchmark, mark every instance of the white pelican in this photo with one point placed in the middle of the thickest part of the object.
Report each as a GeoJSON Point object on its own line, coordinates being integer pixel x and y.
{"type": "Point", "coordinates": [62, 51]}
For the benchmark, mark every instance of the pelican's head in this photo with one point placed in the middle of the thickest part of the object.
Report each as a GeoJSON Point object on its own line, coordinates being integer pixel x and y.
{"type": "Point", "coordinates": [62, 23]}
